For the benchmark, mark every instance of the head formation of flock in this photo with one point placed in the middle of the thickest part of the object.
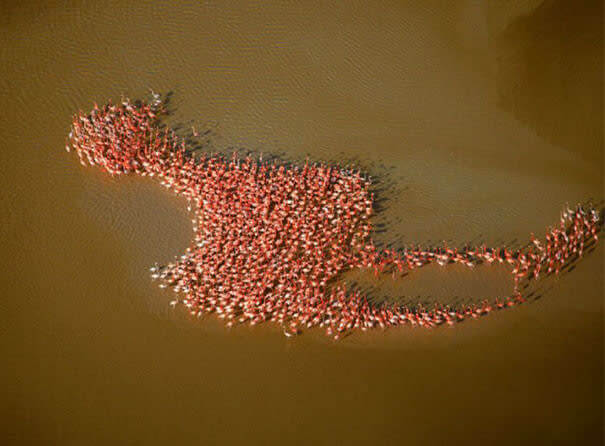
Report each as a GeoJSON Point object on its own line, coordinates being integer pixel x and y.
{"type": "Point", "coordinates": [269, 240]}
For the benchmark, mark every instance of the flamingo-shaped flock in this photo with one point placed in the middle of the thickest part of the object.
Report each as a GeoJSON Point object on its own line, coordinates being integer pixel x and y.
{"type": "Point", "coordinates": [269, 240]}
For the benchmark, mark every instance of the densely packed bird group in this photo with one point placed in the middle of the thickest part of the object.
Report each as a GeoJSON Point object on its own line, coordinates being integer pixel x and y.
{"type": "Point", "coordinates": [269, 240]}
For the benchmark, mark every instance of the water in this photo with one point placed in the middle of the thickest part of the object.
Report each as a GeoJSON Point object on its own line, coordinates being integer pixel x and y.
{"type": "Point", "coordinates": [482, 121]}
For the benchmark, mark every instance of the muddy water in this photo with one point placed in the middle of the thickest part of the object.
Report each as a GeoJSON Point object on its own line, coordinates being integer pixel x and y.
{"type": "Point", "coordinates": [480, 122]}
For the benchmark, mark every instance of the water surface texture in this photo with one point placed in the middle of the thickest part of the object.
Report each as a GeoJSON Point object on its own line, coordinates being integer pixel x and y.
{"type": "Point", "coordinates": [481, 120]}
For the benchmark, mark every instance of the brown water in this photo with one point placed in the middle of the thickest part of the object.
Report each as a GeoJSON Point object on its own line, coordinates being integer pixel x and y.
{"type": "Point", "coordinates": [484, 121]}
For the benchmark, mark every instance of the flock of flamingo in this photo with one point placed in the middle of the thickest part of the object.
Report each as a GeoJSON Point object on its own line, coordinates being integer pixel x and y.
{"type": "Point", "coordinates": [269, 239]}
